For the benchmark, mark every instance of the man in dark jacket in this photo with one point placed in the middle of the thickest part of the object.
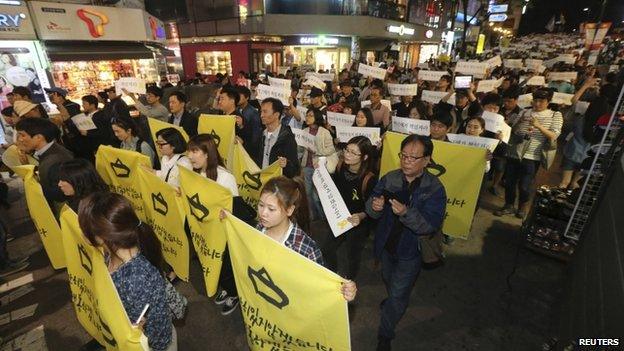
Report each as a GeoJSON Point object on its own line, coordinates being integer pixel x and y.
{"type": "Point", "coordinates": [408, 202]}
{"type": "Point", "coordinates": [180, 116]}
{"type": "Point", "coordinates": [278, 142]}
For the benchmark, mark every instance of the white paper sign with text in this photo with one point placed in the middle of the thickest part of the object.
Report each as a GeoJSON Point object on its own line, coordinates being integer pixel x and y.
{"type": "Point", "coordinates": [489, 85]}
{"type": "Point", "coordinates": [280, 83]}
{"type": "Point", "coordinates": [304, 139]}
{"type": "Point", "coordinates": [477, 69]}
{"type": "Point", "coordinates": [83, 122]}
{"type": "Point", "coordinates": [496, 123]}
{"type": "Point", "coordinates": [266, 91]}
{"type": "Point", "coordinates": [386, 103]}
{"type": "Point", "coordinates": [344, 133]}
{"type": "Point", "coordinates": [433, 97]}
{"type": "Point", "coordinates": [370, 71]}
{"type": "Point", "coordinates": [340, 119]}
{"type": "Point", "coordinates": [410, 126]}
{"type": "Point", "coordinates": [431, 76]}
{"type": "Point", "coordinates": [403, 89]}
{"type": "Point", "coordinates": [469, 140]}
{"type": "Point", "coordinates": [334, 207]}
{"type": "Point", "coordinates": [562, 98]}
{"type": "Point", "coordinates": [132, 85]}
{"type": "Point", "coordinates": [569, 76]}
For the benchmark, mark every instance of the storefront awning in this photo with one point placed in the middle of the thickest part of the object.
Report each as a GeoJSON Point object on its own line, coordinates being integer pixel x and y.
{"type": "Point", "coordinates": [96, 51]}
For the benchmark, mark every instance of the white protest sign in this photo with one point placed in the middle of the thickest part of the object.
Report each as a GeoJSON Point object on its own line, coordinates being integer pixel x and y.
{"type": "Point", "coordinates": [340, 119]}
{"type": "Point", "coordinates": [614, 68]}
{"type": "Point", "coordinates": [315, 81]}
{"type": "Point", "coordinates": [477, 69]}
{"type": "Point", "coordinates": [302, 111]}
{"type": "Point", "coordinates": [386, 103]}
{"type": "Point", "coordinates": [304, 139]}
{"type": "Point", "coordinates": [410, 126]}
{"type": "Point", "coordinates": [265, 91]}
{"type": "Point", "coordinates": [562, 98]}
{"type": "Point", "coordinates": [496, 123]}
{"type": "Point", "coordinates": [432, 96]}
{"type": "Point", "coordinates": [566, 58]}
{"type": "Point", "coordinates": [370, 71]}
{"type": "Point", "coordinates": [581, 107]}
{"type": "Point", "coordinates": [513, 63]}
{"type": "Point", "coordinates": [431, 76]}
{"type": "Point", "coordinates": [533, 64]}
{"type": "Point", "coordinates": [344, 133]}
{"type": "Point", "coordinates": [132, 85]}
{"type": "Point", "coordinates": [525, 100]}
{"type": "Point", "coordinates": [494, 61]}
{"type": "Point", "coordinates": [83, 122]}
{"type": "Point", "coordinates": [403, 89]}
{"type": "Point", "coordinates": [469, 140]}
{"type": "Point", "coordinates": [489, 84]}
{"type": "Point", "coordinates": [325, 77]}
{"type": "Point", "coordinates": [282, 70]}
{"type": "Point", "coordinates": [567, 76]}
{"type": "Point", "coordinates": [334, 207]}
{"type": "Point", "coordinates": [536, 80]}
{"type": "Point", "coordinates": [280, 83]}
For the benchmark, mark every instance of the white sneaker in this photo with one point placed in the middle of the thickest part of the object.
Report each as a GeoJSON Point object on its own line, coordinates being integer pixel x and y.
{"type": "Point", "coordinates": [221, 298]}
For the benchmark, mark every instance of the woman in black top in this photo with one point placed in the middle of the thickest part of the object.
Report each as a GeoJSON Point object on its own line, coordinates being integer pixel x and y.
{"type": "Point", "coordinates": [77, 180]}
{"type": "Point", "coordinates": [355, 181]}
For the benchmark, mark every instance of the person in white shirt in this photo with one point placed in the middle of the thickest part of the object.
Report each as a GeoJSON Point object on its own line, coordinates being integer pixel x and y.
{"type": "Point", "coordinates": [205, 159]}
{"type": "Point", "coordinates": [172, 147]}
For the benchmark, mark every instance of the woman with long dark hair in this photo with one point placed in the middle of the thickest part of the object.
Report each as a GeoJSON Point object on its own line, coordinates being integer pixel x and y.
{"type": "Point", "coordinates": [127, 131]}
{"type": "Point", "coordinates": [77, 179]}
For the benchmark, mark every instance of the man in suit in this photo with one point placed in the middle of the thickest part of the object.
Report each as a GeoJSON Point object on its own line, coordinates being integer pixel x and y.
{"type": "Point", "coordinates": [103, 134]}
{"type": "Point", "coordinates": [180, 116]}
{"type": "Point", "coordinates": [278, 142]}
{"type": "Point", "coordinates": [39, 135]}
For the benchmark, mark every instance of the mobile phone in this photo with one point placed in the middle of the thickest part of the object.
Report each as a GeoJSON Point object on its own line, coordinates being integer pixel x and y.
{"type": "Point", "coordinates": [142, 314]}
{"type": "Point", "coordinates": [463, 82]}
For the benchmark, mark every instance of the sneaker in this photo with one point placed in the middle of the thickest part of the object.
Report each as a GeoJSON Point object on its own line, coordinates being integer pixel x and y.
{"type": "Point", "coordinates": [448, 240]}
{"type": "Point", "coordinates": [230, 305]}
{"type": "Point", "coordinates": [13, 268]}
{"type": "Point", "coordinates": [221, 298]}
{"type": "Point", "coordinates": [384, 344]}
{"type": "Point", "coordinates": [505, 210]}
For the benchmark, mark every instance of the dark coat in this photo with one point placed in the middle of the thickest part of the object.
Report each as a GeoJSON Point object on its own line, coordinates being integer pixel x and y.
{"type": "Point", "coordinates": [48, 171]}
{"type": "Point", "coordinates": [188, 122]}
{"type": "Point", "coordinates": [285, 146]}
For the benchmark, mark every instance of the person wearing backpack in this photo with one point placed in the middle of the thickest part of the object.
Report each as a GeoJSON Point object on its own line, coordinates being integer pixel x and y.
{"type": "Point", "coordinates": [127, 132]}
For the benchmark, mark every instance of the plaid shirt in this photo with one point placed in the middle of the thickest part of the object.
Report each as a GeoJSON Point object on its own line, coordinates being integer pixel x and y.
{"type": "Point", "coordinates": [302, 244]}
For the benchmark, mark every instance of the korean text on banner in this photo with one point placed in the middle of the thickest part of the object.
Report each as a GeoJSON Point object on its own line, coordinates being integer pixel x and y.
{"type": "Point", "coordinates": [203, 200]}
{"type": "Point", "coordinates": [431, 76]}
{"type": "Point", "coordinates": [370, 71]}
{"type": "Point", "coordinates": [494, 61]}
{"type": "Point", "coordinates": [94, 296]}
{"type": "Point", "coordinates": [534, 64]}
{"type": "Point", "coordinates": [282, 311]}
{"type": "Point", "coordinates": [496, 123]}
{"type": "Point", "coordinates": [384, 102]}
{"type": "Point", "coordinates": [562, 98]}
{"type": "Point", "coordinates": [410, 126]}
{"type": "Point", "coordinates": [166, 217]}
{"type": "Point", "coordinates": [344, 134]}
{"type": "Point", "coordinates": [403, 89]}
{"type": "Point", "coordinates": [280, 83]}
{"type": "Point", "coordinates": [432, 96]}
{"type": "Point", "coordinates": [132, 85]}
{"type": "Point", "coordinates": [334, 207]}
{"type": "Point", "coordinates": [249, 178]}
{"type": "Point", "coordinates": [315, 81]}
{"type": "Point", "coordinates": [222, 129]}
{"type": "Point", "coordinates": [119, 168]}
{"type": "Point", "coordinates": [536, 81]}
{"type": "Point", "coordinates": [477, 69]}
{"type": "Point", "coordinates": [266, 91]}
{"type": "Point", "coordinates": [155, 125]}
{"type": "Point", "coordinates": [513, 63]}
{"type": "Point", "coordinates": [487, 85]}
{"type": "Point", "coordinates": [460, 168]}
{"type": "Point", "coordinates": [469, 140]}
{"type": "Point", "coordinates": [567, 76]}
{"type": "Point", "coordinates": [82, 121]}
{"type": "Point", "coordinates": [42, 216]}
{"type": "Point", "coordinates": [340, 119]}
{"type": "Point", "coordinates": [305, 139]}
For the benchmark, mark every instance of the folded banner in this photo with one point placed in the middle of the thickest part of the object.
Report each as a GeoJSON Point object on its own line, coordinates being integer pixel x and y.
{"type": "Point", "coordinates": [204, 199]}
{"type": "Point", "coordinates": [460, 168]}
{"type": "Point", "coordinates": [94, 296]}
{"type": "Point", "coordinates": [156, 125]}
{"type": "Point", "coordinates": [410, 126]}
{"type": "Point", "coordinates": [334, 207]}
{"type": "Point", "coordinates": [487, 85]}
{"type": "Point", "coordinates": [280, 83]}
{"type": "Point", "coordinates": [469, 140]}
{"type": "Point", "coordinates": [403, 89]}
{"type": "Point", "coordinates": [165, 215]}
{"type": "Point", "coordinates": [304, 139]}
{"type": "Point", "coordinates": [340, 119]}
{"type": "Point", "coordinates": [370, 71]}
{"type": "Point", "coordinates": [562, 98]}
{"type": "Point", "coordinates": [282, 311]}
{"type": "Point", "coordinates": [222, 128]}
{"type": "Point", "coordinates": [266, 91]}
{"type": "Point", "coordinates": [119, 168]}
{"type": "Point", "coordinates": [477, 69]}
{"type": "Point", "coordinates": [42, 216]}
{"type": "Point", "coordinates": [344, 134]}
{"type": "Point", "coordinates": [431, 76]}
{"type": "Point", "coordinates": [432, 96]}
{"type": "Point", "coordinates": [496, 123]}
{"type": "Point", "coordinates": [249, 177]}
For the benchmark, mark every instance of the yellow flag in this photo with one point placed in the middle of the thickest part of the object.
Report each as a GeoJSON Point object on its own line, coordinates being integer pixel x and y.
{"type": "Point", "coordinates": [222, 128]}
{"type": "Point", "coordinates": [119, 168]}
{"type": "Point", "coordinates": [94, 296]}
{"type": "Point", "coordinates": [460, 168]}
{"type": "Point", "coordinates": [163, 213]}
{"type": "Point", "coordinates": [204, 200]}
{"type": "Point", "coordinates": [288, 301]}
{"type": "Point", "coordinates": [42, 216]}
{"type": "Point", "coordinates": [249, 177]}
{"type": "Point", "coordinates": [155, 125]}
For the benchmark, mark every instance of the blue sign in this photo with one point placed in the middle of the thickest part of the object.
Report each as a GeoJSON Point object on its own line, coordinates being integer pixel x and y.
{"type": "Point", "coordinates": [498, 17]}
{"type": "Point", "coordinates": [498, 8]}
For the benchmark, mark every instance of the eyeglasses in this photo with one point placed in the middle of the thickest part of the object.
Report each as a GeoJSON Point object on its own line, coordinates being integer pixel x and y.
{"type": "Point", "coordinates": [348, 151]}
{"type": "Point", "coordinates": [409, 158]}
{"type": "Point", "coordinates": [163, 143]}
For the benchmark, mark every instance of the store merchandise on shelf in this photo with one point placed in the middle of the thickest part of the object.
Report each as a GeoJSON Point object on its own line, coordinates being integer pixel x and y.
{"type": "Point", "coordinates": [213, 62]}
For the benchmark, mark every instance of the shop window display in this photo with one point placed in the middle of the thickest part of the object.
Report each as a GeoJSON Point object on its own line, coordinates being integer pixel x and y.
{"type": "Point", "coordinates": [213, 62]}
{"type": "Point", "coordinates": [17, 69]}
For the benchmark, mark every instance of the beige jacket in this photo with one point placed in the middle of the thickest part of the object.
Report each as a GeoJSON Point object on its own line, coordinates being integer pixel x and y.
{"type": "Point", "coordinates": [324, 147]}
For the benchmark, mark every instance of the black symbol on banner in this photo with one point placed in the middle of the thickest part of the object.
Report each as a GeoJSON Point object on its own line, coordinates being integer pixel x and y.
{"type": "Point", "coordinates": [107, 334]}
{"type": "Point", "coordinates": [266, 288]}
{"type": "Point", "coordinates": [120, 170]}
{"type": "Point", "coordinates": [159, 204]}
{"type": "Point", "coordinates": [198, 210]}
{"type": "Point", "coordinates": [438, 170]}
{"type": "Point", "coordinates": [85, 260]}
{"type": "Point", "coordinates": [217, 138]}
{"type": "Point", "coordinates": [253, 180]}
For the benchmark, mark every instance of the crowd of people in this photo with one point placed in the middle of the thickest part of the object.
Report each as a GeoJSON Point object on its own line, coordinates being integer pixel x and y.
{"type": "Point", "coordinates": [403, 208]}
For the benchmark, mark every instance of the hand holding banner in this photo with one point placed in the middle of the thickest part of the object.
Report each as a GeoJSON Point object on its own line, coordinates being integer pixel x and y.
{"type": "Point", "coordinates": [334, 207]}
{"type": "Point", "coordinates": [496, 123]}
{"type": "Point", "coordinates": [403, 89]}
{"type": "Point", "coordinates": [487, 85]}
{"type": "Point", "coordinates": [81, 121]}
{"type": "Point", "coordinates": [280, 83]}
{"type": "Point", "coordinates": [304, 139]}
{"type": "Point", "coordinates": [469, 140]}
{"type": "Point", "coordinates": [132, 85]}
{"type": "Point", "coordinates": [562, 98]}
{"type": "Point", "coordinates": [411, 126]}
{"type": "Point", "coordinates": [266, 91]}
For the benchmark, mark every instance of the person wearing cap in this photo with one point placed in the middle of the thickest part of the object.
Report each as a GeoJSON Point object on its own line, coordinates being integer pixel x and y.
{"type": "Point", "coordinates": [535, 129]}
{"type": "Point", "coordinates": [347, 95]}
{"type": "Point", "coordinates": [26, 109]}
{"type": "Point", "coordinates": [67, 109]}
{"type": "Point", "coordinates": [153, 109]}
{"type": "Point", "coordinates": [316, 99]}
{"type": "Point", "coordinates": [24, 94]}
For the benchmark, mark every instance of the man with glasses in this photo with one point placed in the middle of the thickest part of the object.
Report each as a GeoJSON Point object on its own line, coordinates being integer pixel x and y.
{"type": "Point", "coordinates": [408, 202]}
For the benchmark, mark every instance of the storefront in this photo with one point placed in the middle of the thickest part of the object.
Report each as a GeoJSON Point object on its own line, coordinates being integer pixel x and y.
{"type": "Point", "coordinates": [321, 52]}
{"type": "Point", "coordinates": [90, 47]}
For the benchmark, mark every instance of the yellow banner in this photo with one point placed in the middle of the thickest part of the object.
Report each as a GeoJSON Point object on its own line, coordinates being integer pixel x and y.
{"type": "Point", "coordinates": [94, 296]}
{"type": "Point", "coordinates": [119, 168]}
{"type": "Point", "coordinates": [155, 125]}
{"type": "Point", "coordinates": [204, 199]}
{"type": "Point", "coordinates": [282, 310]}
{"type": "Point", "coordinates": [222, 128]}
{"type": "Point", "coordinates": [164, 214]}
{"type": "Point", "coordinates": [42, 216]}
{"type": "Point", "coordinates": [249, 177]}
{"type": "Point", "coordinates": [460, 168]}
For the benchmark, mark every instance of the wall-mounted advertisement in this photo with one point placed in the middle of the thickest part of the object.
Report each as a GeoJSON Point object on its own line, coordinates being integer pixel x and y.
{"type": "Point", "coordinates": [20, 65]}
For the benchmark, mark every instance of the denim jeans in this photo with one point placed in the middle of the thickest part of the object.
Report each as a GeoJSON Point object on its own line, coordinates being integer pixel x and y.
{"type": "Point", "coordinates": [519, 174]}
{"type": "Point", "coordinates": [399, 277]}
{"type": "Point", "coordinates": [316, 209]}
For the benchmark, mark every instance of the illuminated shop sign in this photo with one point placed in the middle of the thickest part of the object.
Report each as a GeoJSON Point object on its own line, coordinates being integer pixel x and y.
{"type": "Point", "coordinates": [401, 30]}
{"type": "Point", "coordinates": [320, 40]}
{"type": "Point", "coordinates": [10, 20]}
